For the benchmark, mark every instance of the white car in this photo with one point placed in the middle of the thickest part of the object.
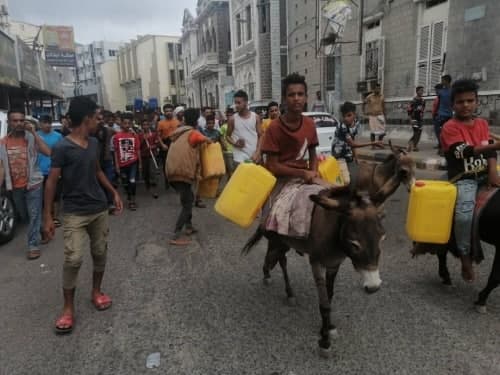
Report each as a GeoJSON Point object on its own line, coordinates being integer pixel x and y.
{"type": "Point", "coordinates": [325, 127]}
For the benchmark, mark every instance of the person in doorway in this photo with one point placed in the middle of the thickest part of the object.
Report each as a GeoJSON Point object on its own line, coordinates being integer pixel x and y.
{"type": "Point", "coordinates": [471, 162]}
{"type": "Point", "coordinates": [19, 151]}
{"type": "Point", "coordinates": [416, 110]}
{"type": "Point", "coordinates": [149, 151]}
{"type": "Point", "coordinates": [51, 138]}
{"type": "Point", "coordinates": [445, 110]}
{"type": "Point", "coordinates": [273, 112]}
{"type": "Point", "coordinates": [127, 158]}
{"type": "Point", "coordinates": [244, 131]}
{"type": "Point", "coordinates": [345, 143]}
{"type": "Point", "coordinates": [183, 170]}
{"type": "Point", "coordinates": [75, 160]}
{"type": "Point", "coordinates": [318, 105]}
{"type": "Point", "coordinates": [374, 108]}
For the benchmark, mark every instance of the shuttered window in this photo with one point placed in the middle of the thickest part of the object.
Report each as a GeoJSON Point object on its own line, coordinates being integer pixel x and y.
{"type": "Point", "coordinates": [431, 48]}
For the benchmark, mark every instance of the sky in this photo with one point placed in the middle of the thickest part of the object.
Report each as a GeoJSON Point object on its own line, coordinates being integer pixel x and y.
{"type": "Point", "coordinates": [111, 20]}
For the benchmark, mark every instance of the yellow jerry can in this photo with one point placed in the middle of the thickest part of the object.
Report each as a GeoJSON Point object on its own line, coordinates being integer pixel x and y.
{"type": "Point", "coordinates": [430, 211]}
{"type": "Point", "coordinates": [212, 161]}
{"type": "Point", "coordinates": [245, 194]}
{"type": "Point", "coordinates": [329, 170]}
{"type": "Point", "coordinates": [207, 188]}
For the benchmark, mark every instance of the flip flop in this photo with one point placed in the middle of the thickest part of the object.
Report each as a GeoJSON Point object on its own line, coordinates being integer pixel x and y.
{"type": "Point", "coordinates": [33, 254]}
{"type": "Point", "coordinates": [180, 242]}
{"type": "Point", "coordinates": [102, 302]}
{"type": "Point", "coordinates": [190, 231]}
{"type": "Point", "coordinates": [66, 320]}
{"type": "Point", "coordinates": [57, 223]}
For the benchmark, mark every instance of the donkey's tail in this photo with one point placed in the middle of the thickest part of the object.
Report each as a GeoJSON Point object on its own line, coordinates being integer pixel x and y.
{"type": "Point", "coordinates": [252, 241]}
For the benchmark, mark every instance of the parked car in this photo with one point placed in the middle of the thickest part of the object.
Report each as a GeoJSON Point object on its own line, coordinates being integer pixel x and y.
{"type": "Point", "coordinates": [7, 212]}
{"type": "Point", "coordinates": [325, 127]}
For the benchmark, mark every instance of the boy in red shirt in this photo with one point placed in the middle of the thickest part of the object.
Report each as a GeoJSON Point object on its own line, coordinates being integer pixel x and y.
{"type": "Point", "coordinates": [471, 159]}
{"type": "Point", "coordinates": [127, 147]}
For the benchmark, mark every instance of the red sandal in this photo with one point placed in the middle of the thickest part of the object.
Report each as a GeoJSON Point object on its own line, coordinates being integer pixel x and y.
{"type": "Point", "coordinates": [102, 302]}
{"type": "Point", "coordinates": [64, 320]}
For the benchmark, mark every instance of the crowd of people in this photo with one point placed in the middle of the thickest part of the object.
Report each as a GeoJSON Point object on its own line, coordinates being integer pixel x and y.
{"type": "Point", "coordinates": [76, 171]}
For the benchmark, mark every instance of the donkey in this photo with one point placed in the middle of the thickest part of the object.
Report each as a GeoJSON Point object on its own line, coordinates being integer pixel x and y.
{"type": "Point", "coordinates": [342, 225]}
{"type": "Point", "coordinates": [489, 233]}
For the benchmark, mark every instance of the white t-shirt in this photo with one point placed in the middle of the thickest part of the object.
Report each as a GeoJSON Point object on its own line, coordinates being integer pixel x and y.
{"type": "Point", "coordinates": [245, 128]}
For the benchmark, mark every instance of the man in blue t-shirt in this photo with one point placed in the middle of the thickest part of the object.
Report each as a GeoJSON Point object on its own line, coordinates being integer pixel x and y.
{"type": "Point", "coordinates": [51, 138]}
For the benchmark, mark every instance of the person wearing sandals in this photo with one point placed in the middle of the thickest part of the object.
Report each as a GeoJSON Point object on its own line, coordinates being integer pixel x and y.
{"type": "Point", "coordinates": [75, 159]}
{"type": "Point", "coordinates": [23, 179]}
{"type": "Point", "coordinates": [127, 147]}
{"type": "Point", "coordinates": [183, 169]}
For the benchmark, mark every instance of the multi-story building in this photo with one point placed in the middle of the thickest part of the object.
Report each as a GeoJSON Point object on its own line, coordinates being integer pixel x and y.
{"type": "Point", "coordinates": [259, 47]}
{"type": "Point", "coordinates": [206, 46]}
{"type": "Point", "coordinates": [305, 27]}
{"type": "Point", "coordinates": [150, 68]}
{"type": "Point", "coordinates": [407, 43]}
{"type": "Point", "coordinates": [89, 57]}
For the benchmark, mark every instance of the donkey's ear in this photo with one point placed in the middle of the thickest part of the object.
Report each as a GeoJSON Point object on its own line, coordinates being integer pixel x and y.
{"type": "Point", "coordinates": [330, 203]}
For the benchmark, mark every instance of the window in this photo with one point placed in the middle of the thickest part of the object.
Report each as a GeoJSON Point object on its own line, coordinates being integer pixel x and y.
{"type": "Point", "coordinates": [430, 54]}
{"type": "Point", "coordinates": [179, 49]}
{"type": "Point", "coordinates": [111, 53]}
{"type": "Point", "coordinates": [229, 70]}
{"type": "Point", "coordinates": [371, 60]}
{"type": "Point", "coordinates": [305, 71]}
{"type": "Point", "coordinates": [181, 76]}
{"type": "Point", "coordinates": [296, 56]}
{"type": "Point", "coordinates": [305, 54]}
{"type": "Point", "coordinates": [238, 29]}
{"type": "Point", "coordinates": [330, 73]}
{"type": "Point", "coordinates": [373, 25]}
{"type": "Point", "coordinates": [264, 9]}
{"type": "Point", "coordinates": [432, 3]}
{"type": "Point", "coordinates": [248, 20]}
{"type": "Point", "coordinates": [296, 40]}
{"type": "Point", "coordinates": [172, 77]}
{"type": "Point", "coordinates": [171, 51]}
{"type": "Point", "coordinates": [305, 37]}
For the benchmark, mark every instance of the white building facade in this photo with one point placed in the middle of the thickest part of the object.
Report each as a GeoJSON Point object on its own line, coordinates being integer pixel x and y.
{"type": "Point", "coordinates": [206, 53]}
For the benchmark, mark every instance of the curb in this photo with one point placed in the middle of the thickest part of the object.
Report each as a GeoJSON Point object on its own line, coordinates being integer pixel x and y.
{"type": "Point", "coordinates": [432, 164]}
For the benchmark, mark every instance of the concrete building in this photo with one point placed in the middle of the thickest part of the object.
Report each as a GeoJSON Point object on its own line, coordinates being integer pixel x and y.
{"type": "Point", "coordinates": [113, 94]}
{"type": "Point", "coordinates": [259, 46]}
{"type": "Point", "coordinates": [304, 52]}
{"type": "Point", "coordinates": [207, 55]}
{"type": "Point", "coordinates": [89, 58]}
{"type": "Point", "coordinates": [150, 68]}
{"type": "Point", "coordinates": [407, 43]}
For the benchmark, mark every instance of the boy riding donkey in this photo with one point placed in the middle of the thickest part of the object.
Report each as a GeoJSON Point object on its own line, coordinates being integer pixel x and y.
{"type": "Point", "coordinates": [471, 159]}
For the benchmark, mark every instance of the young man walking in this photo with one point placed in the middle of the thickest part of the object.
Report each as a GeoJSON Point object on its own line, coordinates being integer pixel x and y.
{"type": "Point", "coordinates": [75, 160]}
{"type": "Point", "coordinates": [416, 110]}
{"type": "Point", "coordinates": [374, 107]}
{"type": "Point", "coordinates": [128, 162]}
{"type": "Point", "coordinates": [244, 131]}
{"type": "Point", "coordinates": [149, 151]}
{"type": "Point", "coordinates": [19, 158]}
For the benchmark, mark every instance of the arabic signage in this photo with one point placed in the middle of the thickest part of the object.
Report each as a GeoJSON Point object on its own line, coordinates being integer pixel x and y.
{"type": "Point", "coordinates": [8, 67]}
{"type": "Point", "coordinates": [59, 42]}
{"type": "Point", "coordinates": [28, 61]}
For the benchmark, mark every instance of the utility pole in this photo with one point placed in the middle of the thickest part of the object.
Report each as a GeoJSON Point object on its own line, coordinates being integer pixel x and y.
{"type": "Point", "coordinates": [360, 34]}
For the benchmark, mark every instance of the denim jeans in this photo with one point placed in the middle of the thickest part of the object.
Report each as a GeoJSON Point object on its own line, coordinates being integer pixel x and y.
{"type": "Point", "coordinates": [464, 213]}
{"type": "Point", "coordinates": [109, 171]}
{"type": "Point", "coordinates": [187, 199]}
{"type": "Point", "coordinates": [128, 175]}
{"type": "Point", "coordinates": [28, 204]}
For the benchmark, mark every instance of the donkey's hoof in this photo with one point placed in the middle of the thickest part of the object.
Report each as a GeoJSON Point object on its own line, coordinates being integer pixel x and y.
{"type": "Point", "coordinates": [267, 281]}
{"type": "Point", "coordinates": [333, 333]}
{"type": "Point", "coordinates": [326, 353]}
{"type": "Point", "coordinates": [481, 309]}
{"type": "Point", "coordinates": [291, 301]}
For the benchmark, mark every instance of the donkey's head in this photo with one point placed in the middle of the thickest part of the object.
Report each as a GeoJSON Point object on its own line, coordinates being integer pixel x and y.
{"type": "Point", "coordinates": [404, 166]}
{"type": "Point", "coordinates": [360, 233]}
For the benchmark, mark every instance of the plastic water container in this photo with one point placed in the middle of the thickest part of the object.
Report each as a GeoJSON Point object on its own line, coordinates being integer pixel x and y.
{"type": "Point", "coordinates": [212, 160]}
{"type": "Point", "coordinates": [207, 188]}
{"type": "Point", "coordinates": [329, 170]}
{"type": "Point", "coordinates": [430, 211]}
{"type": "Point", "coordinates": [245, 194]}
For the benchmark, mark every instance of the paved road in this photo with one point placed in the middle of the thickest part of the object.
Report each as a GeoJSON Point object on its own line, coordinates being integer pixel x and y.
{"type": "Point", "coordinates": [205, 309]}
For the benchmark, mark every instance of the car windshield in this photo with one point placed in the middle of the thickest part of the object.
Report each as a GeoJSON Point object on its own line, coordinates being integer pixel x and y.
{"type": "Point", "coordinates": [324, 121]}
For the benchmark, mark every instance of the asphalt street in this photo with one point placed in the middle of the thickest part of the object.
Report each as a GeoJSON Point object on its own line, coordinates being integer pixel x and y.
{"type": "Point", "coordinates": [205, 309]}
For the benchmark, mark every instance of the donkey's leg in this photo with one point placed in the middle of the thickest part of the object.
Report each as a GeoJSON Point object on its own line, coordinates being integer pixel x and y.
{"type": "Point", "coordinates": [493, 282]}
{"type": "Point", "coordinates": [331, 274]}
{"type": "Point", "coordinates": [272, 258]}
{"type": "Point", "coordinates": [324, 308]}
{"type": "Point", "coordinates": [443, 267]}
{"type": "Point", "coordinates": [288, 288]}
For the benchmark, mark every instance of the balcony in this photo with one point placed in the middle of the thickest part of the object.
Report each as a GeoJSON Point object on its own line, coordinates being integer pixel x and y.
{"type": "Point", "coordinates": [205, 64]}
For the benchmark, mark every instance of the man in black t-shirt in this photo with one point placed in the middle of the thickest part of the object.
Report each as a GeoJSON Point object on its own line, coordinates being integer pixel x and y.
{"type": "Point", "coordinates": [75, 159]}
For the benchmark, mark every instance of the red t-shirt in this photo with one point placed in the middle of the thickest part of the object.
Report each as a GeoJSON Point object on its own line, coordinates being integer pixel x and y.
{"type": "Point", "coordinates": [291, 146]}
{"type": "Point", "coordinates": [128, 148]}
{"type": "Point", "coordinates": [152, 140]}
{"type": "Point", "coordinates": [458, 140]}
{"type": "Point", "coordinates": [17, 151]}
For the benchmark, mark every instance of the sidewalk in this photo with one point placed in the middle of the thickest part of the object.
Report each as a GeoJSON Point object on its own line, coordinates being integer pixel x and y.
{"type": "Point", "coordinates": [426, 158]}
